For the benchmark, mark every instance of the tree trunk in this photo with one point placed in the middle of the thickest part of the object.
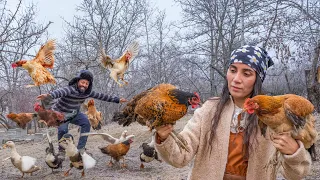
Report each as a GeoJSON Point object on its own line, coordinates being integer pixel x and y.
{"type": "Point", "coordinates": [312, 80]}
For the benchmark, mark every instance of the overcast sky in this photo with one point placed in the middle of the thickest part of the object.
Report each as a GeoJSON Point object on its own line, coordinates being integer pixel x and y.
{"type": "Point", "coordinates": [55, 10]}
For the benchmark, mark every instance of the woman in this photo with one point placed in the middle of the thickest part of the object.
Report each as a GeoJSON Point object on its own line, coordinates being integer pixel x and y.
{"type": "Point", "coordinates": [225, 147]}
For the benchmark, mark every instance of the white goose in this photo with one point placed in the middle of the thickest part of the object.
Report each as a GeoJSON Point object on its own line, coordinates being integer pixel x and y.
{"type": "Point", "coordinates": [107, 137]}
{"type": "Point", "coordinates": [25, 164]}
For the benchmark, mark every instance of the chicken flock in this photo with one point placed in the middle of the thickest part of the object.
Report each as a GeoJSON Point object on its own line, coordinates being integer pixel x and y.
{"type": "Point", "coordinates": [156, 106]}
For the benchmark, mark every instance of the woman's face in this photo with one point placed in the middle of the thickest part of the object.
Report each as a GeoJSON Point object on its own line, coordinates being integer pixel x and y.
{"type": "Point", "coordinates": [241, 79]}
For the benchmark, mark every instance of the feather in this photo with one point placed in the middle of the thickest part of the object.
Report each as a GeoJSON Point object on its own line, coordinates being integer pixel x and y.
{"type": "Point", "coordinates": [109, 138]}
{"type": "Point", "coordinates": [88, 161]}
{"type": "Point", "coordinates": [105, 136]}
{"type": "Point", "coordinates": [27, 163]}
{"type": "Point", "coordinates": [45, 55]}
{"type": "Point", "coordinates": [133, 50]}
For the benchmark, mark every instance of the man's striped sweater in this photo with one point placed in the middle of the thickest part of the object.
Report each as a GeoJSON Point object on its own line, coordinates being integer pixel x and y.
{"type": "Point", "coordinates": [71, 99]}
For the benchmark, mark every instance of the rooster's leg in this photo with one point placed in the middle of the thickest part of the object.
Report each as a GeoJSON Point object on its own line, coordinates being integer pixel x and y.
{"type": "Point", "coordinates": [114, 76]}
{"type": "Point", "coordinates": [67, 173]}
{"type": "Point", "coordinates": [42, 121]}
{"type": "Point", "coordinates": [141, 166]}
{"type": "Point", "coordinates": [110, 163]}
{"type": "Point", "coordinates": [123, 163]}
{"type": "Point", "coordinates": [82, 174]}
{"type": "Point", "coordinates": [122, 78]}
{"type": "Point", "coordinates": [22, 175]}
{"type": "Point", "coordinates": [180, 141]}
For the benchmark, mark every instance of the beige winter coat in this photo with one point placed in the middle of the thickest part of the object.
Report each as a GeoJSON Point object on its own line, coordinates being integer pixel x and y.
{"type": "Point", "coordinates": [211, 163]}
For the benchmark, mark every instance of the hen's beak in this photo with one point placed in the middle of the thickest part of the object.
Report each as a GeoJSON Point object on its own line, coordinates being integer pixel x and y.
{"type": "Point", "coordinates": [62, 140]}
{"type": "Point", "coordinates": [4, 146]}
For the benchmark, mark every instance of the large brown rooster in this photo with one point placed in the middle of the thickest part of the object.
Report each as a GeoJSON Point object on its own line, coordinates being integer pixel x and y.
{"type": "Point", "coordinates": [94, 116]}
{"type": "Point", "coordinates": [119, 66]}
{"type": "Point", "coordinates": [22, 118]}
{"type": "Point", "coordinates": [162, 104]}
{"type": "Point", "coordinates": [285, 113]}
{"type": "Point", "coordinates": [37, 66]}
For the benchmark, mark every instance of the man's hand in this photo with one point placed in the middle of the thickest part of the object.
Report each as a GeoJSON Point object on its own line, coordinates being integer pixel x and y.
{"type": "Point", "coordinates": [285, 143]}
{"type": "Point", "coordinates": [122, 100]}
{"type": "Point", "coordinates": [42, 96]}
{"type": "Point", "coordinates": [163, 132]}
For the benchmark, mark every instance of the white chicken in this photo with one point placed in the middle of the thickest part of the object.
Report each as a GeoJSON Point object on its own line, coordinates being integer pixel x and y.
{"type": "Point", "coordinates": [119, 66]}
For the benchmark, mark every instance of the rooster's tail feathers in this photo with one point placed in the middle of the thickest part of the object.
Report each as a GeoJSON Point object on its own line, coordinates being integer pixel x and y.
{"type": "Point", "coordinates": [122, 119]}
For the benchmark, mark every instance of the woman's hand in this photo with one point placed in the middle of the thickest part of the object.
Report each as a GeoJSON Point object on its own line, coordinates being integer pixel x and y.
{"type": "Point", "coordinates": [285, 143]}
{"type": "Point", "coordinates": [163, 132]}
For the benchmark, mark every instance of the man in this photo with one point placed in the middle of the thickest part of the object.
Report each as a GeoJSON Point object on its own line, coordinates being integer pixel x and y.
{"type": "Point", "coordinates": [69, 101]}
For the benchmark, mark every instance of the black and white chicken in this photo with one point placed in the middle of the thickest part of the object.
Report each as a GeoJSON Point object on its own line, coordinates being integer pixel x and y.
{"type": "Point", "coordinates": [52, 159]}
{"type": "Point", "coordinates": [148, 154]}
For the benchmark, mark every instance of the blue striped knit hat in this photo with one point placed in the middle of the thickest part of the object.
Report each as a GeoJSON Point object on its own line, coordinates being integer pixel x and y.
{"type": "Point", "coordinates": [255, 57]}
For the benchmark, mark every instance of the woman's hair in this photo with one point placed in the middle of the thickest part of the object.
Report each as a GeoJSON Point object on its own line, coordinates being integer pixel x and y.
{"type": "Point", "coordinates": [252, 125]}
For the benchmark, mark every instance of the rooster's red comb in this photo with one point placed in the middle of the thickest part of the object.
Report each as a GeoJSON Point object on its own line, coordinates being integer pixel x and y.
{"type": "Point", "coordinates": [197, 95]}
{"type": "Point", "coordinates": [14, 65]}
{"type": "Point", "coordinates": [36, 106]}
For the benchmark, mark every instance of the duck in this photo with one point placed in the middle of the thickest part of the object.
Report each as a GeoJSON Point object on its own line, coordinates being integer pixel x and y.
{"type": "Point", "coordinates": [78, 158]}
{"type": "Point", "coordinates": [107, 137]}
{"type": "Point", "coordinates": [52, 159]}
{"type": "Point", "coordinates": [149, 153]}
{"type": "Point", "coordinates": [25, 164]}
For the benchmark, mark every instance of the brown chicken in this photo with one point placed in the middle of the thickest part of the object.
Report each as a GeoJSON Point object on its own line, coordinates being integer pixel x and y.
{"type": "Point", "coordinates": [22, 118]}
{"type": "Point", "coordinates": [285, 113]}
{"type": "Point", "coordinates": [37, 66]}
{"type": "Point", "coordinates": [117, 151]}
{"type": "Point", "coordinates": [49, 117]}
{"type": "Point", "coordinates": [162, 104]}
{"type": "Point", "coordinates": [94, 116]}
{"type": "Point", "coordinates": [119, 66]}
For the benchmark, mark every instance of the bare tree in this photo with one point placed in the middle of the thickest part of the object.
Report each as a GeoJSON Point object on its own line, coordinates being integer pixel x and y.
{"type": "Point", "coordinates": [19, 34]}
{"type": "Point", "coordinates": [113, 24]}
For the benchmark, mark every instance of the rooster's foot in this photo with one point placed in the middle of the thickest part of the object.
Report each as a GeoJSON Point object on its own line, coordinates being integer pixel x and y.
{"type": "Point", "coordinates": [124, 165]}
{"type": "Point", "coordinates": [110, 164]}
{"type": "Point", "coordinates": [141, 166]}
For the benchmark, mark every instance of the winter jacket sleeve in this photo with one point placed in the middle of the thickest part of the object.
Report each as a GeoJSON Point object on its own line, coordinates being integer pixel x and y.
{"type": "Point", "coordinates": [175, 155]}
{"type": "Point", "coordinates": [62, 92]}
{"type": "Point", "coordinates": [104, 97]}
{"type": "Point", "coordinates": [297, 165]}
